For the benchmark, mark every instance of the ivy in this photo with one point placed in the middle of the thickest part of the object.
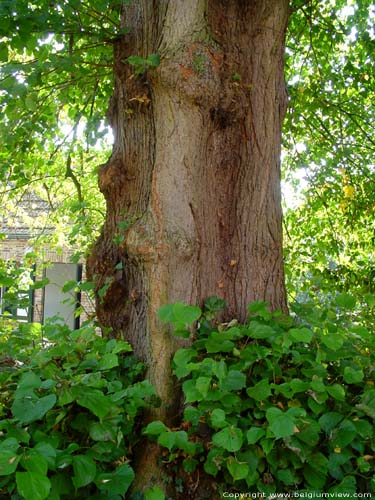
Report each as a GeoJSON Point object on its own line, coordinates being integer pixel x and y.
{"type": "Point", "coordinates": [282, 408]}
{"type": "Point", "coordinates": [68, 414]}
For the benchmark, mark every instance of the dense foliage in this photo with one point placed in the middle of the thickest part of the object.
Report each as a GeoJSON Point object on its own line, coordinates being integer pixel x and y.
{"type": "Point", "coordinates": [329, 151]}
{"type": "Point", "coordinates": [55, 85]}
{"type": "Point", "coordinates": [69, 404]}
{"type": "Point", "coordinates": [278, 404]}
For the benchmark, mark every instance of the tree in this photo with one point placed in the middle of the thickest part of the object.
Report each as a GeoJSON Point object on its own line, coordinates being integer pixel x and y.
{"type": "Point", "coordinates": [193, 183]}
{"type": "Point", "coordinates": [328, 141]}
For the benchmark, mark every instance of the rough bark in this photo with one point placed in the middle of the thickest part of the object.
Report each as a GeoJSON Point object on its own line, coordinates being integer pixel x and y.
{"type": "Point", "coordinates": [194, 169]}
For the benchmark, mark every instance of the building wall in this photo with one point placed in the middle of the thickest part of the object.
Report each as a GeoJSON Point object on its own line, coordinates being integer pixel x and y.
{"type": "Point", "coordinates": [14, 249]}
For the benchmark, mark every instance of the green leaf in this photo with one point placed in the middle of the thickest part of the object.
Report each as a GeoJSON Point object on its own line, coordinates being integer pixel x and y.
{"type": "Point", "coordinates": [28, 409]}
{"type": "Point", "coordinates": [33, 486]}
{"type": "Point", "coordinates": [300, 335]}
{"type": "Point", "coordinates": [344, 434]}
{"type": "Point", "coordinates": [181, 360]}
{"type": "Point", "coordinates": [154, 493]}
{"type": "Point", "coordinates": [153, 60]}
{"type": "Point", "coordinates": [348, 486]}
{"type": "Point", "coordinates": [8, 462]}
{"type": "Point", "coordinates": [318, 461]}
{"type": "Point", "coordinates": [31, 102]}
{"type": "Point", "coordinates": [254, 434]}
{"type": "Point", "coordinates": [84, 469]}
{"type": "Point", "coordinates": [9, 444]}
{"type": "Point", "coordinates": [238, 470]}
{"type": "Point", "coordinates": [260, 391]}
{"type": "Point", "coordinates": [203, 385]}
{"type": "Point", "coordinates": [117, 482]}
{"type": "Point", "coordinates": [102, 431]}
{"type": "Point", "coordinates": [35, 464]}
{"type": "Point", "coordinates": [287, 477]}
{"type": "Point", "coordinates": [96, 402]}
{"type": "Point", "coordinates": [346, 301]}
{"type": "Point", "coordinates": [167, 439]}
{"type": "Point", "coordinates": [192, 414]}
{"type": "Point", "coordinates": [136, 60]}
{"type": "Point", "coordinates": [352, 376]}
{"type": "Point", "coordinates": [299, 385]}
{"type": "Point", "coordinates": [337, 391]}
{"type": "Point", "coordinates": [214, 304]}
{"type": "Point", "coordinates": [29, 381]}
{"type": "Point", "coordinates": [108, 361]}
{"type": "Point", "coordinates": [314, 478]}
{"type": "Point", "coordinates": [48, 452]}
{"type": "Point", "coordinates": [260, 308]}
{"type": "Point", "coordinates": [37, 285]}
{"type": "Point", "coordinates": [69, 285]}
{"type": "Point", "coordinates": [179, 314]}
{"type": "Point", "coordinates": [191, 392]}
{"type": "Point", "coordinates": [333, 341]}
{"type": "Point", "coordinates": [260, 331]}
{"type": "Point", "coordinates": [329, 421]}
{"type": "Point", "coordinates": [218, 417]}
{"type": "Point", "coordinates": [281, 424]}
{"type": "Point", "coordinates": [87, 286]}
{"type": "Point", "coordinates": [234, 381]}
{"type": "Point", "coordinates": [155, 428]}
{"type": "Point", "coordinates": [213, 346]}
{"type": "Point", "coordinates": [230, 438]}
{"type": "Point", "coordinates": [182, 442]}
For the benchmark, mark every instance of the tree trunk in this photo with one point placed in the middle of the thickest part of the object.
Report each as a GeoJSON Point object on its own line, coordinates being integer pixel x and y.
{"type": "Point", "coordinates": [193, 183]}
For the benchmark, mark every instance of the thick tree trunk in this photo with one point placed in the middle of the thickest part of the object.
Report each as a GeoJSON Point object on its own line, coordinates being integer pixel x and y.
{"type": "Point", "coordinates": [194, 169]}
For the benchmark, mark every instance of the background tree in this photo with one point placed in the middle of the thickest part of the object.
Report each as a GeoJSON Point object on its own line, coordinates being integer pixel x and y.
{"type": "Point", "coordinates": [329, 143]}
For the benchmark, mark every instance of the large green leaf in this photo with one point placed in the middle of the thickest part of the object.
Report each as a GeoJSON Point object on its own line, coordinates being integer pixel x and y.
{"type": "Point", "coordinates": [238, 470]}
{"type": "Point", "coordinates": [117, 482]}
{"type": "Point", "coordinates": [230, 438]}
{"type": "Point", "coordinates": [352, 375]}
{"type": "Point", "coordinates": [181, 315]}
{"type": "Point", "coordinates": [346, 300]}
{"type": "Point", "coordinates": [260, 331]}
{"type": "Point", "coordinates": [254, 434]}
{"type": "Point", "coordinates": [35, 463]}
{"type": "Point", "coordinates": [218, 418]}
{"type": "Point", "coordinates": [84, 469]}
{"type": "Point", "coordinates": [99, 404]}
{"type": "Point", "coordinates": [8, 462]}
{"type": "Point", "coordinates": [30, 408]}
{"type": "Point", "coordinates": [281, 424]}
{"type": "Point", "coordinates": [29, 381]}
{"type": "Point", "coordinates": [234, 381]}
{"type": "Point", "coordinates": [155, 428]}
{"type": "Point", "coordinates": [300, 335]}
{"type": "Point", "coordinates": [32, 485]}
{"type": "Point", "coordinates": [260, 391]}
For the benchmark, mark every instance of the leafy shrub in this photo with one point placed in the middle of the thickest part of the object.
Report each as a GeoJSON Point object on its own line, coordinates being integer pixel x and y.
{"type": "Point", "coordinates": [278, 403]}
{"type": "Point", "coordinates": [69, 403]}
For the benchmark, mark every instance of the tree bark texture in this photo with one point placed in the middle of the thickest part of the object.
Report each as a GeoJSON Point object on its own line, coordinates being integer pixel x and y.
{"type": "Point", "coordinates": [193, 183]}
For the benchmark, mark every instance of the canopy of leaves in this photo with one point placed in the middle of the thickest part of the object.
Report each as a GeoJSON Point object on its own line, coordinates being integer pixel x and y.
{"type": "Point", "coordinates": [329, 143]}
{"type": "Point", "coordinates": [55, 83]}
{"type": "Point", "coordinates": [55, 79]}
